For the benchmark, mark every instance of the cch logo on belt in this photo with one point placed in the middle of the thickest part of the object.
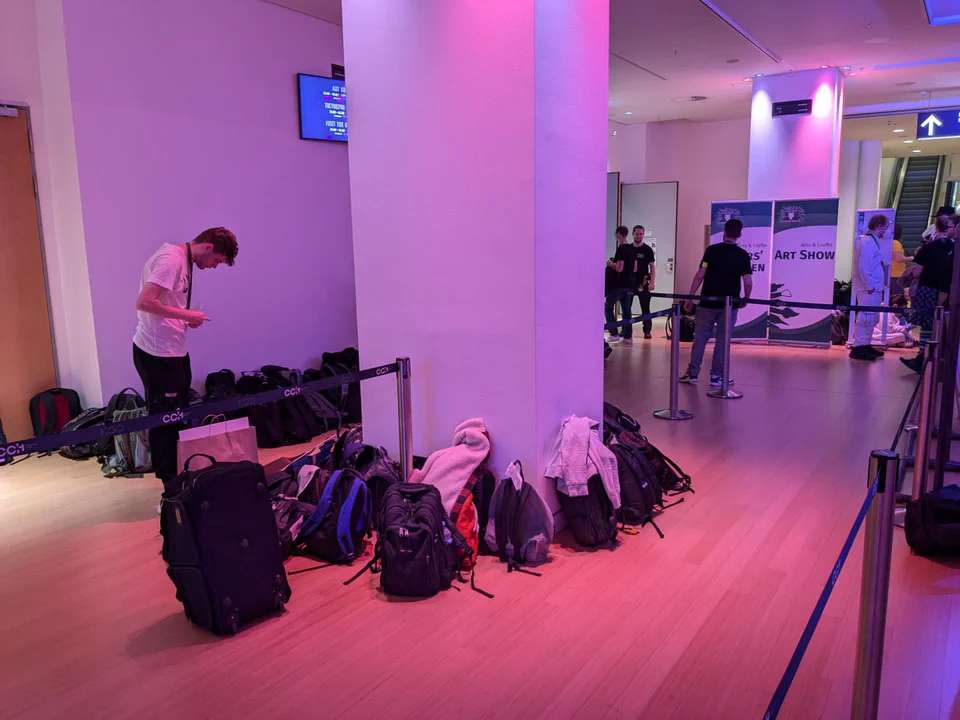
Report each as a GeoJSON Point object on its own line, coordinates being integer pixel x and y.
{"type": "Point", "coordinates": [11, 450]}
{"type": "Point", "coordinates": [173, 417]}
{"type": "Point", "coordinates": [293, 391]}
{"type": "Point", "coordinates": [385, 370]}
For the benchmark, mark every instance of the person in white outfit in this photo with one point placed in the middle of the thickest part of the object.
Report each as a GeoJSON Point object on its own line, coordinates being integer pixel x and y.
{"type": "Point", "coordinates": [868, 285]}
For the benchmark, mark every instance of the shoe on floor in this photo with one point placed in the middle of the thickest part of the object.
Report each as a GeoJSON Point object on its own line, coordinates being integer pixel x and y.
{"type": "Point", "coordinates": [914, 363]}
{"type": "Point", "coordinates": [628, 341]}
{"type": "Point", "coordinates": [876, 351]}
{"type": "Point", "coordinates": [717, 381]}
{"type": "Point", "coordinates": [688, 379]}
{"type": "Point", "coordinates": [860, 352]}
{"type": "Point", "coordinates": [647, 336]}
{"type": "Point", "coordinates": [614, 339]}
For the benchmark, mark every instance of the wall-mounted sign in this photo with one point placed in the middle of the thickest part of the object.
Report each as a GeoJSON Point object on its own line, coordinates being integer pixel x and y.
{"type": "Point", "coordinates": [792, 107]}
{"type": "Point", "coordinates": [932, 124]}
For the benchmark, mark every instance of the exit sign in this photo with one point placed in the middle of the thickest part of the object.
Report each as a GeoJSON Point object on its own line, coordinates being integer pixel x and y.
{"type": "Point", "coordinates": [933, 124]}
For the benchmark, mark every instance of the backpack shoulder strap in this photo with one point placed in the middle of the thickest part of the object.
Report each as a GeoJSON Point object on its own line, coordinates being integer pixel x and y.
{"type": "Point", "coordinates": [323, 507]}
{"type": "Point", "coordinates": [49, 411]}
{"type": "Point", "coordinates": [344, 536]}
{"type": "Point", "coordinates": [465, 493]}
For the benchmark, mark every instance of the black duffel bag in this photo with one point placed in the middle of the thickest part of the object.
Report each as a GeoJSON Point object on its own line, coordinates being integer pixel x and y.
{"type": "Point", "coordinates": [932, 524]}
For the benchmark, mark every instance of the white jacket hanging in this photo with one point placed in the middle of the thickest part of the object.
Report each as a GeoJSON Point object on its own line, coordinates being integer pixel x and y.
{"type": "Point", "coordinates": [578, 454]}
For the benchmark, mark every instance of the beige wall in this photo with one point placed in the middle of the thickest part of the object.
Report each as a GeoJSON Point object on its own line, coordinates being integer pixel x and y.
{"type": "Point", "coordinates": [708, 160]}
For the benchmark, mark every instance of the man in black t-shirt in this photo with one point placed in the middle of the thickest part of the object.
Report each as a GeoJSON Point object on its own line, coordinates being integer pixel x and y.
{"type": "Point", "coordinates": [620, 283]}
{"type": "Point", "coordinates": [646, 275]}
{"type": "Point", "coordinates": [722, 269]}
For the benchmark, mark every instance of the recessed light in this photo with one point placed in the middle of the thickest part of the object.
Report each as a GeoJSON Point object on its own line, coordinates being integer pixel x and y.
{"type": "Point", "coordinates": [759, 75]}
{"type": "Point", "coordinates": [899, 130]}
{"type": "Point", "coordinates": [614, 133]}
{"type": "Point", "coordinates": [916, 151]}
{"type": "Point", "coordinates": [923, 92]}
{"type": "Point", "coordinates": [824, 67]}
{"type": "Point", "coordinates": [846, 67]}
{"type": "Point", "coordinates": [628, 113]}
{"type": "Point", "coordinates": [852, 74]}
{"type": "Point", "coordinates": [908, 142]}
{"type": "Point", "coordinates": [747, 79]}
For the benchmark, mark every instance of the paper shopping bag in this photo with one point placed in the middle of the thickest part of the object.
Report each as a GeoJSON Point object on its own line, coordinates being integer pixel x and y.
{"type": "Point", "coordinates": [230, 441]}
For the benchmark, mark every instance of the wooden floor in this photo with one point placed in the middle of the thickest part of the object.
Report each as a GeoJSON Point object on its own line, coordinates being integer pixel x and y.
{"type": "Point", "coordinates": [699, 625]}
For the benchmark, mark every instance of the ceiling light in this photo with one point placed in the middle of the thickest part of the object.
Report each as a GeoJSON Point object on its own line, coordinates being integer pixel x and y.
{"type": "Point", "coordinates": [846, 67]}
{"type": "Point", "coordinates": [759, 75]}
{"type": "Point", "coordinates": [916, 151]}
{"type": "Point", "coordinates": [628, 113]}
{"type": "Point", "coordinates": [908, 142]}
{"type": "Point", "coordinates": [923, 92]}
{"type": "Point", "coordinates": [614, 133]}
{"type": "Point", "coordinates": [747, 79]}
{"type": "Point", "coordinates": [852, 74]}
{"type": "Point", "coordinates": [824, 67]}
{"type": "Point", "coordinates": [899, 130]}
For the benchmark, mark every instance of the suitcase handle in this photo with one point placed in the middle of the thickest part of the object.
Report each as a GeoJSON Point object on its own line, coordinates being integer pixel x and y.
{"type": "Point", "coordinates": [186, 464]}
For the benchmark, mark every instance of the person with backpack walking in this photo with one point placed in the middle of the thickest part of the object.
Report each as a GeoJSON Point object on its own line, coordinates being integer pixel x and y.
{"type": "Point", "coordinates": [160, 343]}
{"type": "Point", "coordinates": [723, 267]}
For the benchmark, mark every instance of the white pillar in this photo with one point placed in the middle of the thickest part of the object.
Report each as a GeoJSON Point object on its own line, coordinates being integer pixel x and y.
{"type": "Point", "coordinates": [478, 150]}
{"type": "Point", "coordinates": [795, 156]}
{"type": "Point", "coordinates": [868, 175]}
{"type": "Point", "coordinates": [847, 213]}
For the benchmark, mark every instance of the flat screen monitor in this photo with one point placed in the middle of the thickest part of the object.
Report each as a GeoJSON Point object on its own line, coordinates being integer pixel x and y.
{"type": "Point", "coordinates": [323, 108]}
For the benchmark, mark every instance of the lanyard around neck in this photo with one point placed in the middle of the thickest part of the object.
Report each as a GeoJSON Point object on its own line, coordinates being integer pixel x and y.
{"type": "Point", "coordinates": [189, 275]}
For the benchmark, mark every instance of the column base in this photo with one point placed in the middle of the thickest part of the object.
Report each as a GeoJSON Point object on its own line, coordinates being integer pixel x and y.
{"type": "Point", "coordinates": [670, 415]}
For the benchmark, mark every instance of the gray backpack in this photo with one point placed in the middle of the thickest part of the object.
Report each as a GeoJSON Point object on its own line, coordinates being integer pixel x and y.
{"type": "Point", "coordinates": [131, 451]}
{"type": "Point", "coordinates": [520, 530]}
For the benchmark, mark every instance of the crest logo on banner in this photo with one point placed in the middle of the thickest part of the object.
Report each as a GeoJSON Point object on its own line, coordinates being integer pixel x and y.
{"type": "Point", "coordinates": [725, 214]}
{"type": "Point", "coordinates": [790, 214]}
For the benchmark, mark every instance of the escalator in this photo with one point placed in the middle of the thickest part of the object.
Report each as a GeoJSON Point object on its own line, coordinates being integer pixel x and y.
{"type": "Point", "coordinates": [916, 196]}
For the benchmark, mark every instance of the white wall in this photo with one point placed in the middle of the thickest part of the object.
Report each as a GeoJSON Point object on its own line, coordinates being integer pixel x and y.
{"type": "Point", "coordinates": [33, 72]}
{"type": "Point", "coordinates": [708, 160]}
{"type": "Point", "coordinates": [796, 156]}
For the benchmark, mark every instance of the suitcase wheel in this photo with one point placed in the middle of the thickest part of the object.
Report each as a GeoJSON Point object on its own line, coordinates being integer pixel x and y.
{"type": "Point", "coordinates": [234, 627]}
{"type": "Point", "coordinates": [204, 505]}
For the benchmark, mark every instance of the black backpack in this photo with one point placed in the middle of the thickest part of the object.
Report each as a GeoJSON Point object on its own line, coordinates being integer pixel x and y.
{"type": "Point", "coordinates": [932, 524]}
{"type": "Point", "coordinates": [222, 385]}
{"type": "Point", "coordinates": [590, 517]}
{"type": "Point", "coordinates": [626, 430]}
{"type": "Point", "coordinates": [414, 557]}
{"type": "Point", "coordinates": [376, 468]}
{"type": "Point", "coordinates": [52, 409]}
{"type": "Point", "coordinates": [267, 418]}
{"type": "Point", "coordinates": [96, 448]}
{"type": "Point", "coordinates": [299, 423]}
{"type": "Point", "coordinates": [346, 397]}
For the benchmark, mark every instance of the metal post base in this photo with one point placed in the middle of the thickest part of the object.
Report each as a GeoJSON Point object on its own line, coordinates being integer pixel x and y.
{"type": "Point", "coordinates": [900, 517]}
{"type": "Point", "coordinates": [668, 415]}
{"type": "Point", "coordinates": [730, 394]}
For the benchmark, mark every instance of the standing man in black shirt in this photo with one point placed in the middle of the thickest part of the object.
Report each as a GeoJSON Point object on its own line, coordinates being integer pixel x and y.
{"type": "Point", "coordinates": [646, 275]}
{"type": "Point", "coordinates": [620, 282]}
{"type": "Point", "coordinates": [721, 270]}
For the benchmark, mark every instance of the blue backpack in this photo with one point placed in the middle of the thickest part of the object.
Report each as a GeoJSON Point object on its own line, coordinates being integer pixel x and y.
{"type": "Point", "coordinates": [334, 532]}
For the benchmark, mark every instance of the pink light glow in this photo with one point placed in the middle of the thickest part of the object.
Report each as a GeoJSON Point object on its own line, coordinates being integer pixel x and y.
{"type": "Point", "coordinates": [823, 101]}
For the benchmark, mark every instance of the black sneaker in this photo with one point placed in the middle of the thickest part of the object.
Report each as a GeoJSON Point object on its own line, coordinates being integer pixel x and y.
{"type": "Point", "coordinates": [875, 351]}
{"type": "Point", "coordinates": [914, 363]}
{"type": "Point", "coordinates": [688, 379]}
{"type": "Point", "coordinates": [647, 336]}
{"type": "Point", "coordinates": [860, 352]}
{"type": "Point", "coordinates": [717, 381]}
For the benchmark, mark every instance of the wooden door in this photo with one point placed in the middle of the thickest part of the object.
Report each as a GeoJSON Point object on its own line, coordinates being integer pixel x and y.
{"type": "Point", "coordinates": [26, 346]}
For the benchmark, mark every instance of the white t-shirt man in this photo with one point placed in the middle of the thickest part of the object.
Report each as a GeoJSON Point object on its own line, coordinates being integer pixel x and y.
{"type": "Point", "coordinates": [159, 336]}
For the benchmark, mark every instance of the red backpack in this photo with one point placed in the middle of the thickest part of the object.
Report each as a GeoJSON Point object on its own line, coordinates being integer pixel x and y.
{"type": "Point", "coordinates": [470, 513]}
{"type": "Point", "coordinates": [52, 409]}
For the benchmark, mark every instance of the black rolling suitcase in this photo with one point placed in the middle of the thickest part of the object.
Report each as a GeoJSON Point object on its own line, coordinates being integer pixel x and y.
{"type": "Point", "coordinates": [221, 545]}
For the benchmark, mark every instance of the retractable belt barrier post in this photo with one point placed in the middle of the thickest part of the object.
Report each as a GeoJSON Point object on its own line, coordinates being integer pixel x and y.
{"type": "Point", "coordinates": [724, 392]}
{"type": "Point", "coordinates": [674, 412]}
{"type": "Point", "coordinates": [927, 386]}
{"type": "Point", "coordinates": [875, 586]}
{"type": "Point", "coordinates": [405, 418]}
{"type": "Point", "coordinates": [53, 442]}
